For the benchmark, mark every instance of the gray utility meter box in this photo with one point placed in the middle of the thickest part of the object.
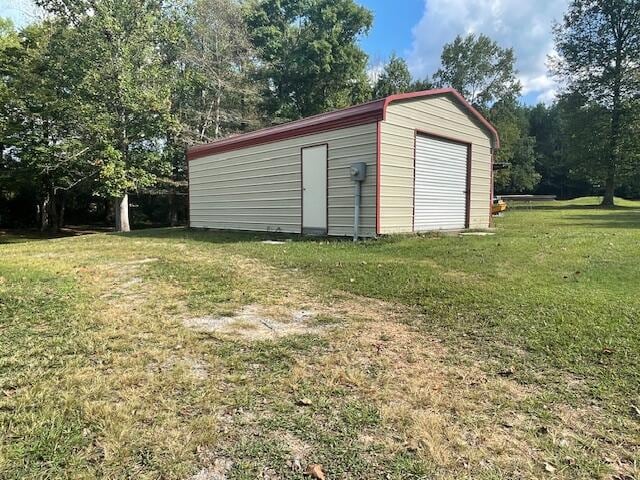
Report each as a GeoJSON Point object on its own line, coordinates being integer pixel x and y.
{"type": "Point", "coordinates": [358, 171]}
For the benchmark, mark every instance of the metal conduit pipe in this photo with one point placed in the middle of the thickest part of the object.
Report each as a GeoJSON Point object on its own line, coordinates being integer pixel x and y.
{"type": "Point", "coordinates": [358, 174]}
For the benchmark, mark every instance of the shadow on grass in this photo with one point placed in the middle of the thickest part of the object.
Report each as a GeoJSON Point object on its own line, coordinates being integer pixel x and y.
{"type": "Point", "coordinates": [548, 207]}
{"type": "Point", "coordinates": [228, 236]}
{"type": "Point", "coordinates": [612, 219]}
{"type": "Point", "coordinates": [11, 235]}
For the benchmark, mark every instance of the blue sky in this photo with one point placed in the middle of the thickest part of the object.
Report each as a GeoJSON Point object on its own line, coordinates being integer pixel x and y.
{"type": "Point", "coordinates": [20, 11]}
{"type": "Point", "coordinates": [392, 27]}
{"type": "Point", "coordinates": [417, 30]}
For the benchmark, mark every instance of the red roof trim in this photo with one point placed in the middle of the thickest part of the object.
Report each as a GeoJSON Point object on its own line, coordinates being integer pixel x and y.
{"type": "Point", "coordinates": [348, 117]}
{"type": "Point", "coordinates": [378, 176]}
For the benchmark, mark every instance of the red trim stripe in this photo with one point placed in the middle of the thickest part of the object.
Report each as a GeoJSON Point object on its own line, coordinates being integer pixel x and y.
{"type": "Point", "coordinates": [491, 192]}
{"type": "Point", "coordinates": [378, 177]}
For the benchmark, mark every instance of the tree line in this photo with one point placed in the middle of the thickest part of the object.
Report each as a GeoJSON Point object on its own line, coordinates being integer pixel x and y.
{"type": "Point", "coordinates": [100, 98]}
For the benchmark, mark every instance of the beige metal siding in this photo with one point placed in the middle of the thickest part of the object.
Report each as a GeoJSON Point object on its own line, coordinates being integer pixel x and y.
{"type": "Point", "coordinates": [259, 188]}
{"type": "Point", "coordinates": [443, 116]}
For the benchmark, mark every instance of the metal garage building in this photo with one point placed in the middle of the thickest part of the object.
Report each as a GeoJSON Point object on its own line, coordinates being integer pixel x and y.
{"type": "Point", "coordinates": [428, 158]}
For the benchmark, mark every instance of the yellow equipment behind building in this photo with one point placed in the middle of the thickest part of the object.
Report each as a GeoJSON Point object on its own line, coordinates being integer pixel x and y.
{"type": "Point", "coordinates": [498, 207]}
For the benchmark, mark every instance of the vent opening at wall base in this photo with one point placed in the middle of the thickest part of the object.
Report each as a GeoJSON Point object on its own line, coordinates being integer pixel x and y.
{"type": "Point", "coordinates": [315, 232]}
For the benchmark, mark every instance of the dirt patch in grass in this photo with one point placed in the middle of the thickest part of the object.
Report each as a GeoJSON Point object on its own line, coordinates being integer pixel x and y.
{"type": "Point", "coordinates": [477, 234]}
{"type": "Point", "coordinates": [125, 279]}
{"type": "Point", "coordinates": [298, 450]}
{"type": "Point", "coordinates": [462, 277]}
{"type": "Point", "coordinates": [218, 470]}
{"type": "Point", "coordinates": [257, 322]}
{"type": "Point", "coordinates": [287, 308]}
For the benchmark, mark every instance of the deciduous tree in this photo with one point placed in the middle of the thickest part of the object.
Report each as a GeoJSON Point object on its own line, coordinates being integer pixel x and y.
{"type": "Point", "coordinates": [598, 45]}
{"type": "Point", "coordinates": [309, 54]}
{"type": "Point", "coordinates": [9, 42]}
{"type": "Point", "coordinates": [218, 94]}
{"type": "Point", "coordinates": [42, 120]}
{"type": "Point", "coordinates": [485, 74]}
{"type": "Point", "coordinates": [517, 149]}
{"type": "Point", "coordinates": [127, 84]}
{"type": "Point", "coordinates": [479, 69]}
{"type": "Point", "coordinates": [395, 78]}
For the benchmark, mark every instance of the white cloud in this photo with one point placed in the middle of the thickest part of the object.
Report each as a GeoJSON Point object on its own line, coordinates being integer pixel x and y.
{"type": "Point", "coordinates": [547, 96]}
{"type": "Point", "coordinates": [521, 24]}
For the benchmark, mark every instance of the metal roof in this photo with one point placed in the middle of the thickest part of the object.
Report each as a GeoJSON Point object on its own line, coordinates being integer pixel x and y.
{"type": "Point", "coordinates": [347, 117]}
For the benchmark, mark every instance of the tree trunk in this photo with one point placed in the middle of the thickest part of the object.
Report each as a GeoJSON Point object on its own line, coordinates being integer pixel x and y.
{"type": "Point", "coordinates": [608, 199]}
{"type": "Point", "coordinates": [173, 210]}
{"type": "Point", "coordinates": [609, 187]}
{"type": "Point", "coordinates": [109, 210]}
{"type": "Point", "coordinates": [63, 204]}
{"type": "Point", "coordinates": [217, 112]}
{"type": "Point", "coordinates": [121, 207]}
{"type": "Point", "coordinates": [44, 212]}
{"type": "Point", "coordinates": [53, 214]}
{"type": "Point", "coordinates": [614, 154]}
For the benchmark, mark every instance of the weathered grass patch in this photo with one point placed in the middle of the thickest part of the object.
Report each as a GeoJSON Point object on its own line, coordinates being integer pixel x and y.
{"type": "Point", "coordinates": [513, 355]}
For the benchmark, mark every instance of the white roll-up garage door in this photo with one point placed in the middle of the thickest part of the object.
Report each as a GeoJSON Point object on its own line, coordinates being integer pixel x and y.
{"type": "Point", "coordinates": [440, 185]}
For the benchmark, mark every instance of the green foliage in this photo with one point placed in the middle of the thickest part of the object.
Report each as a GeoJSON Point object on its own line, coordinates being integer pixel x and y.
{"type": "Point", "coordinates": [517, 149]}
{"type": "Point", "coordinates": [583, 137]}
{"type": "Point", "coordinates": [91, 98]}
{"type": "Point", "coordinates": [586, 133]}
{"type": "Point", "coordinates": [42, 120]}
{"type": "Point", "coordinates": [424, 84]}
{"type": "Point", "coordinates": [545, 126]}
{"type": "Point", "coordinates": [8, 35]}
{"type": "Point", "coordinates": [479, 69]}
{"type": "Point", "coordinates": [309, 56]}
{"type": "Point", "coordinates": [216, 95]}
{"type": "Point", "coordinates": [629, 171]}
{"type": "Point", "coordinates": [395, 78]}
{"type": "Point", "coordinates": [9, 41]}
{"type": "Point", "coordinates": [121, 85]}
{"type": "Point", "coordinates": [598, 44]}
{"type": "Point", "coordinates": [127, 85]}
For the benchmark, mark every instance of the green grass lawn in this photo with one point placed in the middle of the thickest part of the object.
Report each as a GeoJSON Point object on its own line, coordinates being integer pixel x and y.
{"type": "Point", "coordinates": [515, 355]}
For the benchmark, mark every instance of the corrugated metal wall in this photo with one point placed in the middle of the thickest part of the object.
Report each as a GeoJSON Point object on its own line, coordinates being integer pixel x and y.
{"type": "Point", "coordinates": [439, 116]}
{"type": "Point", "coordinates": [259, 188]}
{"type": "Point", "coordinates": [440, 185]}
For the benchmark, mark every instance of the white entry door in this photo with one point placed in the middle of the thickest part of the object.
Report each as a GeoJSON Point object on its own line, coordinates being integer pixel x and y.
{"type": "Point", "coordinates": [440, 185]}
{"type": "Point", "coordinates": [314, 190]}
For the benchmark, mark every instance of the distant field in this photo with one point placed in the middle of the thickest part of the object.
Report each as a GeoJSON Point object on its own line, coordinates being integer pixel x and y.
{"type": "Point", "coordinates": [179, 354]}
